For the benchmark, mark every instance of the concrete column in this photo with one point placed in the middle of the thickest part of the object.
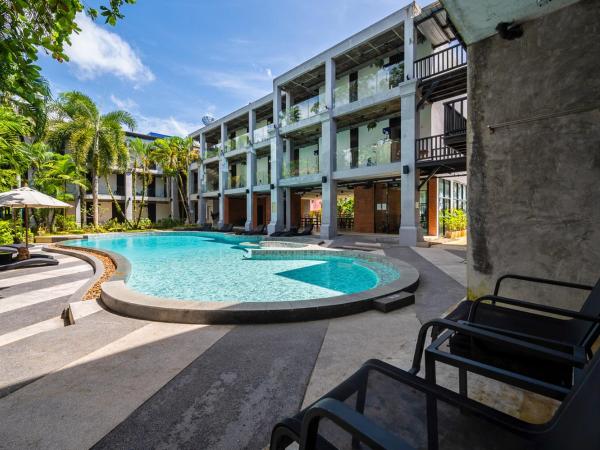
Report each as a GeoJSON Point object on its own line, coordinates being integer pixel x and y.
{"type": "Point", "coordinates": [409, 45]}
{"type": "Point", "coordinates": [223, 173]}
{"type": "Point", "coordinates": [190, 191]}
{"type": "Point", "coordinates": [409, 201]}
{"type": "Point", "coordinates": [276, 223]}
{"type": "Point", "coordinates": [250, 171]}
{"type": "Point", "coordinates": [201, 199]}
{"type": "Point", "coordinates": [78, 204]}
{"type": "Point", "coordinates": [128, 196]}
{"type": "Point", "coordinates": [327, 156]}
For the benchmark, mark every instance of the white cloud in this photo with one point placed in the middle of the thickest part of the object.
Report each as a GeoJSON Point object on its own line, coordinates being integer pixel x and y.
{"type": "Point", "coordinates": [168, 125]}
{"type": "Point", "coordinates": [96, 51]}
{"type": "Point", "coordinates": [125, 103]}
{"type": "Point", "coordinates": [246, 85]}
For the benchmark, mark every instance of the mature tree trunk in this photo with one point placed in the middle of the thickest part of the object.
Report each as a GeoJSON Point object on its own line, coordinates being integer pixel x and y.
{"type": "Point", "coordinates": [95, 209]}
{"type": "Point", "coordinates": [144, 187]}
{"type": "Point", "coordinates": [82, 206]}
{"type": "Point", "coordinates": [183, 197]}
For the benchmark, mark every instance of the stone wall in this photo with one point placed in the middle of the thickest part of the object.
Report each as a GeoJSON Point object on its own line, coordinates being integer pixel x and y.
{"type": "Point", "coordinates": [534, 187]}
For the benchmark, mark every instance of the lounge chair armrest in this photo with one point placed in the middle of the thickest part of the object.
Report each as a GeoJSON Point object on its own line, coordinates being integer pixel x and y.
{"type": "Point", "coordinates": [530, 305]}
{"type": "Point", "coordinates": [359, 426]}
{"type": "Point", "coordinates": [539, 280]}
{"type": "Point", "coordinates": [475, 332]}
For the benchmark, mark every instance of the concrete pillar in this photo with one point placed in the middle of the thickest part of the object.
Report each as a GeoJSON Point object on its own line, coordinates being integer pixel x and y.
{"type": "Point", "coordinates": [250, 171]}
{"type": "Point", "coordinates": [78, 205]}
{"type": "Point", "coordinates": [128, 196]}
{"type": "Point", "coordinates": [409, 201]}
{"type": "Point", "coordinates": [276, 223]}
{"type": "Point", "coordinates": [201, 199]}
{"type": "Point", "coordinates": [409, 45]}
{"type": "Point", "coordinates": [223, 173]}
{"type": "Point", "coordinates": [327, 156]}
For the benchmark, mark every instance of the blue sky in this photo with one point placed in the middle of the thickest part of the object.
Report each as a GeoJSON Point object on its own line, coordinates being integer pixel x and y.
{"type": "Point", "coordinates": [171, 62]}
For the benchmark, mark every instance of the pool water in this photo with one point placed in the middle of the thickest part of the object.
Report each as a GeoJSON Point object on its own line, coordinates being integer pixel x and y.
{"type": "Point", "coordinates": [197, 266]}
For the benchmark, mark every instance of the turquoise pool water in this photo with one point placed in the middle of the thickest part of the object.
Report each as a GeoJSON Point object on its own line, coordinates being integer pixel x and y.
{"type": "Point", "coordinates": [201, 266]}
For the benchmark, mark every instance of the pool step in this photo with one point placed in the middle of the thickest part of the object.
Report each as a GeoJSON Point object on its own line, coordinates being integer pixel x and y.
{"type": "Point", "coordinates": [394, 301]}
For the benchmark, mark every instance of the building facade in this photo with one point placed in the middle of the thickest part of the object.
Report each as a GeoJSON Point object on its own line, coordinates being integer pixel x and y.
{"type": "Point", "coordinates": [348, 139]}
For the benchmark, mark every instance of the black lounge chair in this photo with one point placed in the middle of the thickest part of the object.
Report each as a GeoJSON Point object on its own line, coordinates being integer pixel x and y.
{"type": "Point", "coordinates": [205, 227]}
{"type": "Point", "coordinates": [574, 331]}
{"type": "Point", "coordinates": [226, 228]}
{"type": "Point", "coordinates": [284, 232]}
{"type": "Point", "coordinates": [385, 407]}
{"type": "Point", "coordinates": [34, 260]}
{"type": "Point", "coordinates": [256, 231]}
{"type": "Point", "coordinates": [305, 231]}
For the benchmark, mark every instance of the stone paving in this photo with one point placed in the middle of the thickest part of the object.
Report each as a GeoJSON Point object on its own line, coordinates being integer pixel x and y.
{"type": "Point", "coordinates": [115, 382]}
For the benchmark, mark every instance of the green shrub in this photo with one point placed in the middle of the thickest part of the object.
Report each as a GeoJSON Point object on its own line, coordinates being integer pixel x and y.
{"type": "Point", "coordinates": [168, 223]}
{"type": "Point", "coordinates": [65, 223]}
{"type": "Point", "coordinates": [18, 232]}
{"type": "Point", "coordinates": [6, 234]}
{"type": "Point", "coordinates": [144, 224]}
{"type": "Point", "coordinates": [454, 219]}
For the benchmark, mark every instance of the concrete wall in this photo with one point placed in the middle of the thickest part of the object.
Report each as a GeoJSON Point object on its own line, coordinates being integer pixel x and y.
{"type": "Point", "coordinates": [534, 203]}
{"type": "Point", "coordinates": [162, 211]}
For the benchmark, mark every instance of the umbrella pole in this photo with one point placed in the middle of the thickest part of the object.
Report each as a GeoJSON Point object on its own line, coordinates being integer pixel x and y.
{"type": "Point", "coordinates": [26, 230]}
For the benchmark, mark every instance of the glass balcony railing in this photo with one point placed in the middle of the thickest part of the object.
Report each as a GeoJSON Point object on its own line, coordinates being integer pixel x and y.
{"type": "Point", "coordinates": [237, 143]}
{"type": "Point", "coordinates": [382, 152]}
{"type": "Point", "coordinates": [212, 151]}
{"type": "Point", "coordinates": [210, 185]}
{"type": "Point", "coordinates": [263, 177]}
{"type": "Point", "coordinates": [370, 84]}
{"type": "Point", "coordinates": [263, 134]}
{"type": "Point", "coordinates": [300, 167]}
{"type": "Point", "coordinates": [236, 181]}
{"type": "Point", "coordinates": [301, 111]}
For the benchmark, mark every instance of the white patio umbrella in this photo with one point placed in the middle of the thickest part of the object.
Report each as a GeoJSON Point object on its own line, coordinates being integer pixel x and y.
{"type": "Point", "coordinates": [25, 197]}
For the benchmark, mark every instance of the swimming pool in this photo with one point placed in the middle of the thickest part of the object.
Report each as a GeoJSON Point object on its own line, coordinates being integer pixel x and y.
{"type": "Point", "coordinates": [214, 267]}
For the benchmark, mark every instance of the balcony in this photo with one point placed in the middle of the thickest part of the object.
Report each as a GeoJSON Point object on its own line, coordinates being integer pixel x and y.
{"type": "Point", "coordinates": [302, 111]}
{"type": "Point", "coordinates": [237, 143]}
{"type": "Point", "coordinates": [380, 153]}
{"type": "Point", "coordinates": [434, 151]}
{"type": "Point", "coordinates": [236, 181]}
{"type": "Point", "coordinates": [210, 185]}
{"type": "Point", "coordinates": [212, 151]}
{"type": "Point", "coordinates": [443, 74]}
{"type": "Point", "coordinates": [263, 177]}
{"type": "Point", "coordinates": [298, 168]}
{"type": "Point", "coordinates": [370, 84]}
{"type": "Point", "coordinates": [262, 134]}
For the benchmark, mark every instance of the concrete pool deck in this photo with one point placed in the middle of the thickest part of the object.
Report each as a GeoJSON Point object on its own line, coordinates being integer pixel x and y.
{"type": "Point", "coordinates": [116, 382]}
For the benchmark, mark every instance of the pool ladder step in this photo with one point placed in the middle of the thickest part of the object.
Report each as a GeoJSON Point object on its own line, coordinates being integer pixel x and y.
{"type": "Point", "coordinates": [394, 301]}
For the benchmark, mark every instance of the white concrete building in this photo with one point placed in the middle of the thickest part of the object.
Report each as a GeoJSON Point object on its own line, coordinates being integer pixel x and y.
{"type": "Point", "coordinates": [377, 118]}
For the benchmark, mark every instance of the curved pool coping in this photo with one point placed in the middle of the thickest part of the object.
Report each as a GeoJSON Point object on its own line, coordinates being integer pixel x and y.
{"type": "Point", "coordinates": [117, 296]}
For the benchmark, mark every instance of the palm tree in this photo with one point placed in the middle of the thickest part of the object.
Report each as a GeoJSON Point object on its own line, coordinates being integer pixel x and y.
{"type": "Point", "coordinates": [95, 140]}
{"type": "Point", "coordinates": [175, 154]}
{"type": "Point", "coordinates": [142, 161]}
{"type": "Point", "coordinates": [14, 155]}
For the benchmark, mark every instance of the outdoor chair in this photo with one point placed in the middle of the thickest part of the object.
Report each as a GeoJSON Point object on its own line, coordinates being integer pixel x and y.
{"type": "Point", "coordinates": [305, 231]}
{"type": "Point", "coordinates": [205, 227]}
{"type": "Point", "coordinates": [34, 260]}
{"type": "Point", "coordinates": [570, 331]}
{"type": "Point", "coordinates": [284, 232]}
{"type": "Point", "coordinates": [384, 407]}
{"type": "Point", "coordinates": [226, 228]}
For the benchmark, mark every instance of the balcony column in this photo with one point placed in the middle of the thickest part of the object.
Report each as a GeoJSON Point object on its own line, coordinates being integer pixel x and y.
{"type": "Point", "coordinates": [276, 223]}
{"type": "Point", "coordinates": [128, 196]}
{"type": "Point", "coordinates": [327, 156]}
{"type": "Point", "coordinates": [409, 44]}
{"type": "Point", "coordinates": [223, 173]}
{"type": "Point", "coordinates": [409, 203]}
{"type": "Point", "coordinates": [250, 171]}
{"type": "Point", "coordinates": [190, 191]}
{"type": "Point", "coordinates": [201, 200]}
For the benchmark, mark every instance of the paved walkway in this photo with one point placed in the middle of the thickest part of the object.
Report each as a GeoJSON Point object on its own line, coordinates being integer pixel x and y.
{"type": "Point", "coordinates": [116, 382]}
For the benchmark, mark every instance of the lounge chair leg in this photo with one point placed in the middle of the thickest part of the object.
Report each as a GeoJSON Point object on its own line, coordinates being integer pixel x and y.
{"type": "Point", "coordinates": [462, 382]}
{"type": "Point", "coordinates": [361, 398]}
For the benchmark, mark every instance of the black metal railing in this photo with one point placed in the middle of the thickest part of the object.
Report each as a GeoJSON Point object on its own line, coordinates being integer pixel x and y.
{"type": "Point", "coordinates": [440, 62]}
{"type": "Point", "coordinates": [455, 117]}
{"type": "Point", "coordinates": [434, 148]}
